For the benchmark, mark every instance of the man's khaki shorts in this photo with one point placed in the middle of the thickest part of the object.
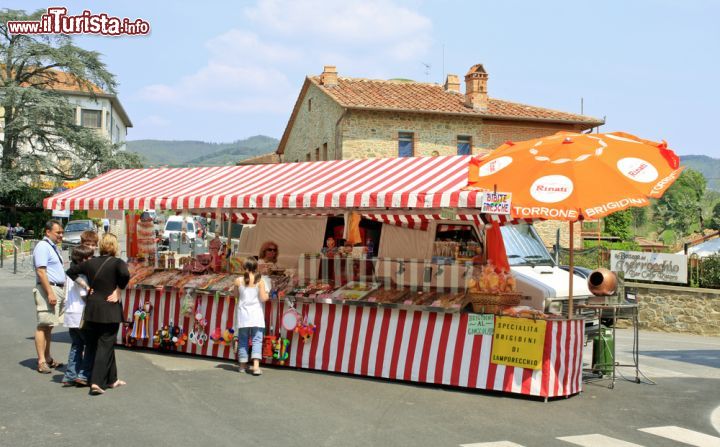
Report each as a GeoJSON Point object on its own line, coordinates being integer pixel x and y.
{"type": "Point", "coordinates": [47, 314]}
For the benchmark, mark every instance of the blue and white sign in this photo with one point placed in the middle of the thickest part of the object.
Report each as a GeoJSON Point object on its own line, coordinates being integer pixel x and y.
{"type": "Point", "coordinates": [61, 213]}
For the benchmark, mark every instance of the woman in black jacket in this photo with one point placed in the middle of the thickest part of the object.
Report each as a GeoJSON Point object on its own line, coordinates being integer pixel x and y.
{"type": "Point", "coordinates": [103, 310]}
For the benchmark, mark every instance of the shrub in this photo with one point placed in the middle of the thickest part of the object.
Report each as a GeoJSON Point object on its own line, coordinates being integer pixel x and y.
{"type": "Point", "coordinates": [710, 272]}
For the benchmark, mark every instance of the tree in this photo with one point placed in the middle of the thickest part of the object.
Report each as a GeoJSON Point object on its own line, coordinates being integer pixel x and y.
{"type": "Point", "coordinates": [715, 219]}
{"type": "Point", "coordinates": [680, 208]}
{"type": "Point", "coordinates": [41, 138]}
{"type": "Point", "coordinates": [619, 224]}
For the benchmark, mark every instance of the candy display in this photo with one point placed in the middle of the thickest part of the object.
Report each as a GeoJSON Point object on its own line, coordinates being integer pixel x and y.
{"type": "Point", "coordinates": [420, 297]}
{"type": "Point", "coordinates": [355, 290]}
{"type": "Point", "coordinates": [158, 279]}
{"type": "Point", "coordinates": [138, 273]}
{"type": "Point", "coordinates": [450, 300]}
{"type": "Point", "coordinates": [383, 295]}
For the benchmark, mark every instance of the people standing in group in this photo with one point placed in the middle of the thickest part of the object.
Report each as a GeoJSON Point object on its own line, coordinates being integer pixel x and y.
{"type": "Point", "coordinates": [103, 311]}
{"type": "Point", "coordinates": [49, 292]}
{"type": "Point", "coordinates": [251, 292]}
{"type": "Point", "coordinates": [79, 363]}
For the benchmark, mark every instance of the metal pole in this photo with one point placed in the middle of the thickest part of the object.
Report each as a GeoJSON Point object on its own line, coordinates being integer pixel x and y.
{"type": "Point", "coordinates": [2, 254]}
{"type": "Point", "coordinates": [572, 271]}
{"type": "Point", "coordinates": [14, 259]}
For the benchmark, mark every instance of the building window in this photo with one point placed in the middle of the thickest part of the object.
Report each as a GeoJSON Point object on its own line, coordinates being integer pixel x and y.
{"type": "Point", "coordinates": [324, 152]}
{"type": "Point", "coordinates": [406, 144]}
{"type": "Point", "coordinates": [90, 118]}
{"type": "Point", "coordinates": [464, 145]}
{"type": "Point", "coordinates": [308, 157]}
{"type": "Point", "coordinates": [317, 153]}
{"type": "Point", "coordinates": [310, 105]}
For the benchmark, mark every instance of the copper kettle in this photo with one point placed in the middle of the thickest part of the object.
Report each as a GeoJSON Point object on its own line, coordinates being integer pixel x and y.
{"type": "Point", "coordinates": [602, 282]}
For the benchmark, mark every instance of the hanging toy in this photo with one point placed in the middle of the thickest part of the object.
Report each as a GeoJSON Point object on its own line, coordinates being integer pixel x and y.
{"type": "Point", "coordinates": [228, 337]}
{"type": "Point", "coordinates": [305, 330]}
{"type": "Point", "coordinates": [197, 335]}
{"type": "Point", "coordinates": [187, 304]}
{"type": "Point", "coordinates": [216, 335]}
{"type": "Point", "coordinates": [268, 346]}
{"type": "Point", "coordinates": [177, 338]}
{"type": "Point", "coordinates": [139, 327]}
{"type": "Point", "coordinates": [281, 350]}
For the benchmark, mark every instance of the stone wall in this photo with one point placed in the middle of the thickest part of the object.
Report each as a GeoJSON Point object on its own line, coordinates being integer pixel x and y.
{"type": "Point", "coordinates": [547, 230]}
{"type": "Point", "coordinates": [677, 309]}
{"type": "Point", "coordinates": [371, 134]}
{"type": "Point", "coordinates": [314, 126]}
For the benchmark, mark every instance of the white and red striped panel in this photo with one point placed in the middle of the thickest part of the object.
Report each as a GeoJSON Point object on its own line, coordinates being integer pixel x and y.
{"type": "Point", "coordinates": [424, 347]}
{"type": "Point", "coordinates": [429, 347]}
{"type": "Point", "coordinates": [166, 310]}
{"type": "Point", "coordinates": [407, 182]}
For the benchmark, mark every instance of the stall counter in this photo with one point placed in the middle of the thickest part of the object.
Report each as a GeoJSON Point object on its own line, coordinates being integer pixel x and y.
{"type": "Point", "coordinates": [415, 346]}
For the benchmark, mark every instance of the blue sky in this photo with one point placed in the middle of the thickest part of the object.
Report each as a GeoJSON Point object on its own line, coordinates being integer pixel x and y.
{"type": "Point", "coordinates": [221, 71]}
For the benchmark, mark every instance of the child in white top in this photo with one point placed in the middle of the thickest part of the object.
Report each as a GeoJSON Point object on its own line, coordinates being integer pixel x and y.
{"type": "Point", "coordinates": [78, 365]}
{"type": "Point", "coordinates": [251, 293]}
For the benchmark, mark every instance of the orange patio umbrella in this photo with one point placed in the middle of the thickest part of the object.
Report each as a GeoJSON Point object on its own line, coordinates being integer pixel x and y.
{"type": "Point", "coordinates": [572, 176]}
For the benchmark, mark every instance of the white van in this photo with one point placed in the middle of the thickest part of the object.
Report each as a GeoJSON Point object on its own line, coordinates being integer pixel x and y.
{"type": "Point", "coordinates": [543, 284]}
{"type": "Point", "coordinates": [174, 225]}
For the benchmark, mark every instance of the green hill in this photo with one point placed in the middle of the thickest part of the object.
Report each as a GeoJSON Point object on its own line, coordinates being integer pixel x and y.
{"type": "Point", "coordinates": [707, 166]}
{"type": "Point", "coordinates": [200, 153]}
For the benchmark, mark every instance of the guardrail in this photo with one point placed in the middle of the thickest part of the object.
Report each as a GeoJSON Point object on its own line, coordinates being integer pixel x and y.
{"type": "Point", "coordinates": [18, 246]}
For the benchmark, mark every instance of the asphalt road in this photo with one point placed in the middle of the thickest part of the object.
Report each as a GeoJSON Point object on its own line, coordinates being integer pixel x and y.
{"type": "Point", "coordinates": [183, 400]}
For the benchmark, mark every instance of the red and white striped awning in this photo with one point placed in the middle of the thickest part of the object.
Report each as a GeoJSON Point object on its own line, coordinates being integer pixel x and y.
{"type": "Point", "coordinates": [372, 184]}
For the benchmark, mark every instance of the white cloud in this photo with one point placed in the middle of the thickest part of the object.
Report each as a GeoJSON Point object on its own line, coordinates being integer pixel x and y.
{"type": "Point", "coordinates": [239, 76]}
{"type": "Point", "coordinates": [240, 46]}
{"type": "Point", "coordinates": [393, 29]}
{"type": "Point", "coordinates": [258, 66]}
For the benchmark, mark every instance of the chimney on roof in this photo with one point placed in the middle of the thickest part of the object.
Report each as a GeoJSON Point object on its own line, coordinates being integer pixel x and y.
{"type": "Point", "coordinates": [329, 77]}
{"type": "Point", "coordinates": [476, 88]}
{"type": "Point", "coordinates": [452, 83]}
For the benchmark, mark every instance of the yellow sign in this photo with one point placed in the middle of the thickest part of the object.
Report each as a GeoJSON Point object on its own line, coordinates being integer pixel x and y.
{"type": "Point", "coordinates": [518, 342]}
{"type": "Point", "coordinates": [96, 214]}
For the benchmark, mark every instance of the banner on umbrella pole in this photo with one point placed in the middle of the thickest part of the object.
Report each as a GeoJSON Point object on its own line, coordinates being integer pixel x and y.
{"type": "Point", "coordinates": [496, 202]}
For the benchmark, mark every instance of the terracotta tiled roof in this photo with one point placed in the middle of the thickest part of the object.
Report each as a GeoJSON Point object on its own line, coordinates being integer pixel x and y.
{"type": "Point", "coordinates": [424, 97]}
{"type": "Point", "coordinates": [69, 83]}
{"type": "Point", "coordinates": [263, 159]}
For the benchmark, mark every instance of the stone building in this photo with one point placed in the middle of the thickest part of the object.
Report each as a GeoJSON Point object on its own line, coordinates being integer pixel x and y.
{"type": "Point", "coordinates": [340, 117]}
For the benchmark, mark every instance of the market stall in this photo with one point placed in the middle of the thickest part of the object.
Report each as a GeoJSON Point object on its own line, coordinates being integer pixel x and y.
{"type": "Point", "coordinates": [410, 317]}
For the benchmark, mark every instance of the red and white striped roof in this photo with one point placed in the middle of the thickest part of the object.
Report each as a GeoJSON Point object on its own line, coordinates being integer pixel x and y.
{"type": "Point", "coordinates": [384, 183]}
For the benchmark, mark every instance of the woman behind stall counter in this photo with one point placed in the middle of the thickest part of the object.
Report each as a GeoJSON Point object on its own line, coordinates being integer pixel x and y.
{"type": "Point", "coordinates": [268, 255]}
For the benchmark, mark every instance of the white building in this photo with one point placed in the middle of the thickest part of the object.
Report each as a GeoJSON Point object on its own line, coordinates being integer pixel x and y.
{"type": "Point", "coordinates": [97, 109]}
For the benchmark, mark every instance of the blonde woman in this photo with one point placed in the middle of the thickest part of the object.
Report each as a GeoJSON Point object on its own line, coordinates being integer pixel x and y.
{"type": "Point", "coordinates": [103, 310]}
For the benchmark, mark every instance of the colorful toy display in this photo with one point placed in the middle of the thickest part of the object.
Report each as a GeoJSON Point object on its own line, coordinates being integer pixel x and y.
{"type": "Point", "coordinates": [169, 337]}
{"type": "Point", "coordinates": [305, 330]}
{"type": "Point", "coordinates": [281, 351]}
